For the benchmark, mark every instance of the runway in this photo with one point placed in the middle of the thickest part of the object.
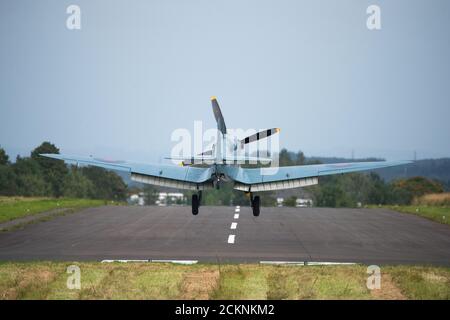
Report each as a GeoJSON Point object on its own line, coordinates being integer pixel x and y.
{"type": "Point", "coordinates": [219, 234]}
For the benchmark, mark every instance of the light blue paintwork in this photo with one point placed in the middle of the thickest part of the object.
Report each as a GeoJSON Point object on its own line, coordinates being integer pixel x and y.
{"type": "Point", "coordinates": [260, 175]}
{"type": "Point", "coordinates": [186, 174]}
{"type": "Point", "coordinates": [236, 173]}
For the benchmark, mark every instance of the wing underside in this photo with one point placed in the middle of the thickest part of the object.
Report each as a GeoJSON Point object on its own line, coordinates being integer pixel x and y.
{"type": "Point", "coordinates": [278, 178]}
{"type": "Point", "coordinates": [249, 180]}
{"type": "Point", "coordinates": [191, 178]}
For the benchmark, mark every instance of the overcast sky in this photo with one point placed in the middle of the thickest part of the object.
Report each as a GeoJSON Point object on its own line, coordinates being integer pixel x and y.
{"type": "Point", "coordinates": [137, 70]}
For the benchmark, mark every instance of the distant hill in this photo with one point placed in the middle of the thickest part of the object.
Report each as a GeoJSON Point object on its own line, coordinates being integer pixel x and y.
{"type": "Point", "coordinates": [438, 169]}
{"type": "Point", "coordinates": [337, 160]}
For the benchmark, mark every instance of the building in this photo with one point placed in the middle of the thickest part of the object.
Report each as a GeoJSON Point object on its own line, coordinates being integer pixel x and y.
{"type": "Point", "coordinates": [303, 203]}
{"type": "Point", "coordinates": [170, 198]}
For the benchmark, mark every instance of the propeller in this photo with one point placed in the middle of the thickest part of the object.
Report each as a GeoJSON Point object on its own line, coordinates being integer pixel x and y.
{"type": "Point", "coordinates": [259, 135]}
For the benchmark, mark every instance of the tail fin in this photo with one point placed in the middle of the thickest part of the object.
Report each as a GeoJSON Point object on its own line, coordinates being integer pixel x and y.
{"type": "Point", "coordinates": [218, 115]}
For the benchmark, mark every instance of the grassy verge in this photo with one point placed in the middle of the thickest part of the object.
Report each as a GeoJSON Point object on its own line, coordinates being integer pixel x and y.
{"type": "Point", "coordinates": [47, 280]}
{"type": "Point", "coordinates": [435, 213]}
{"type": "Point", "coordinates": [19, 207]}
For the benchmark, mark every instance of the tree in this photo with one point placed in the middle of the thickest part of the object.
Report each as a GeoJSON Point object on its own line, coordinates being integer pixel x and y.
{"type": "Point", "coordinates": [76, 185]}
{"type": "Point", "coordinates": [8, 181]}
{"type": "Point", "coordinates": [150, 194]}
{"type": "Point", "coordinates": [54, 171]}
{"type": "Point", "coordinates": [300, 158]}
{"type": "Point", "coordinates": [32, 185]}
{"type": "Point", "coordinates": [285, 158]}
{"type": "Point", "coordinates": [8, 184]}
{"type": "Point", "coordinates": [379, 191]}
{"type": "Point", "coordinates": [268, 199]}
{"type": "Point", "coordinates": [4, 159]}
{"type": "Point", "coordinates": [330, 193]}
{"type": "Point", "coordinates": [30, 181]}
{"type": "Point", "coordinates": [107, 184]}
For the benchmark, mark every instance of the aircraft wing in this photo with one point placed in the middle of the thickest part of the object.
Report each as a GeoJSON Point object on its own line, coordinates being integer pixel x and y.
{"type": "Point", "coordinates": [192, 178]}
{"type": "Point", "coordinates": [277, 178]}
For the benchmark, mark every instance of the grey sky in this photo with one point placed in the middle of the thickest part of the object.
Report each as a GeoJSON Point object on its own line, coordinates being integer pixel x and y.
{"type": "Point", "coordinates": [137, 70]}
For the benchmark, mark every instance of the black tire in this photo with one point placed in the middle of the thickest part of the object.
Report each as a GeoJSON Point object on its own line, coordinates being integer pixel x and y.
{"type": "Point", "coordinates": [195, 204]}
{"type": "Point", "coordinates": [256, 206]}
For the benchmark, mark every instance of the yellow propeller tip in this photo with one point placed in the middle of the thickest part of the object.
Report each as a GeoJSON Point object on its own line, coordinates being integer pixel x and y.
{"type": "Point", "coordinates": [277, 129]}
{"type": "Point", "coordinates": [213, 98]}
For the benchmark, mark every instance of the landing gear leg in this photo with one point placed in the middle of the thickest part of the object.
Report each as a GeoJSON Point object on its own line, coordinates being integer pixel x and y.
{"type": "Point", "coordinates": [196, 203]}
{"type": "Point", "coordinates": [255, 201]}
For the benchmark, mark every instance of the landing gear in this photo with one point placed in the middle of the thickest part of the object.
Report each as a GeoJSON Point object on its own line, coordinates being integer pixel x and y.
{"type": "Point", "coordinates": [255, 205]}
{"type": "Point", "coordinates": [195, 204]}
{"type": "Point", "coordinates": [196, 199]}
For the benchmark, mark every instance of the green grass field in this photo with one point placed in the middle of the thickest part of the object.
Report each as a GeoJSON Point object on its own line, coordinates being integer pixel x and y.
{"type": "Point", "coordinates": [436, 213]}
{"type": "Point", "coordinates": [18, 207]}
{"type": "Point", "coordinates": [47, 280]}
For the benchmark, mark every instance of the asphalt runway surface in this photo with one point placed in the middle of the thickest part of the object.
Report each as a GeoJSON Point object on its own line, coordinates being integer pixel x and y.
{"type": "Point", "coordinates": [219, 234]}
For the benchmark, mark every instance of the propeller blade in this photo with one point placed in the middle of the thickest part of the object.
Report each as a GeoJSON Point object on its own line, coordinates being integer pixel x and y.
{"type": "Point", "coordinates": [259, 135]}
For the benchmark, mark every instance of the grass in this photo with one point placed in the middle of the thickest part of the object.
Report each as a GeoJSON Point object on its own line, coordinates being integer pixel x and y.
{"type": "Point", "coordinates": [435, 206]}
{"type": "Point", "coordinates": [435, 213]}
{"type": "Point", "coordinates": [18, 207]}
{"type": "Point", "coordinates": [422, 282]}
{"type": "Point", "coordinates": [47, 280]}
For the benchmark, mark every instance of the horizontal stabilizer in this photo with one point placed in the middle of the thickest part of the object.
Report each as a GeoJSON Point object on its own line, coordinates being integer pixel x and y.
{"type": "Point", "coordinates": [225, 160]}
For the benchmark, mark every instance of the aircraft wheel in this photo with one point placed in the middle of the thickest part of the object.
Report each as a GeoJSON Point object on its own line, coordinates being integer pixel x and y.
{"type": "Point", "coordinates": [256, 206]}
{"type": "Point", "coordinates": [195, 204]}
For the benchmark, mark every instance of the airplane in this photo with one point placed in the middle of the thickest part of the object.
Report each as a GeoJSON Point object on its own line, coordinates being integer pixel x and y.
{"type": "Point", "coordinates": [223, 163]}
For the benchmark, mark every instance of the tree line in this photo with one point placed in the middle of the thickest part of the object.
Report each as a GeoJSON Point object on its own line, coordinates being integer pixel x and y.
{"type": "Point", "coordinates": [362, 188]}
{"type": "Point", "coordinates": [39, 176]}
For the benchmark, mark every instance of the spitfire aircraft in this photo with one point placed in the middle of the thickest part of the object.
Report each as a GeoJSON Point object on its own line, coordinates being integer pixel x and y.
{"type": "Point", "coordinates": [223, 163]}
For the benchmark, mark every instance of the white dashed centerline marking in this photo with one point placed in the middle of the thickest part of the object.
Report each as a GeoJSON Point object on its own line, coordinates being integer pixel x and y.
{"type": "Point", "coordinates": [232, 237]}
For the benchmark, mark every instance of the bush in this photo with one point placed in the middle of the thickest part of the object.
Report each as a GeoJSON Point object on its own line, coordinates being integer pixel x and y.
{"type": "Point", "coordinates": [403, 191]}
{"type": "Point", "coordinates": [433, 199]}
{"type": "Point", "coordinates": [290, 202]}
